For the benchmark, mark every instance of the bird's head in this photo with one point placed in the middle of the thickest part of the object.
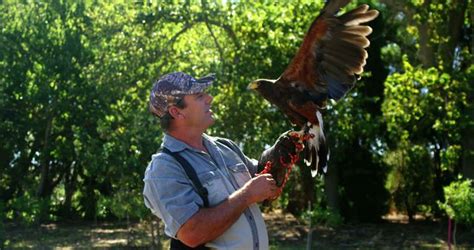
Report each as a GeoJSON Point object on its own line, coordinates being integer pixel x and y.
{"type": "Point", "coordinates": [262, 86]}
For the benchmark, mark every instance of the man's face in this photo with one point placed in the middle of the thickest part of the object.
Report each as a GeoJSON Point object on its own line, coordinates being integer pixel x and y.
{"type": "Point", "coordinates": [198, 110]}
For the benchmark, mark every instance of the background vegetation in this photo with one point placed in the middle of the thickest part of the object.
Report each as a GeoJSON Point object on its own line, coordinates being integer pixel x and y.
{"type": "Point", "coordinates": [76, 134]}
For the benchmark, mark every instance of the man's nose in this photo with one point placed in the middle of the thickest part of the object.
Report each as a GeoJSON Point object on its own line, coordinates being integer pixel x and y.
{"type": "Point", "coordinates": [209, 98]}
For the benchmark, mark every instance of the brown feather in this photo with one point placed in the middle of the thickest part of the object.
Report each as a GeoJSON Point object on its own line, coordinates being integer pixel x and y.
{"type": "Point", "coordinates": [307, 110]}
{"type": "Point", "coordinates": [352, 57]}
{"type": "Point", "coordinates": [351, 65]}
{"type": "Point", "coordinates": [359, 9]}
{"type": "Point", "coordinates": [358, 30]}
{"type": "Point", "coordinates": [304, 56]}
{"type": "Point", "coordinates": [333, 6]}
{"type": "Point", "coordinates": [350, 19]}
{"type": "Point", "coordinates": [344, 48]}
{"type": "Point", "coordinates": [358, 41]}
{"type": "Point", "coordinates": [338, 73]}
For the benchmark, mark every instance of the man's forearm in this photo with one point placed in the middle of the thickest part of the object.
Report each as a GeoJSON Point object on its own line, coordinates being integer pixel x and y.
{"type": "Point", "coordinates": [209, 223]}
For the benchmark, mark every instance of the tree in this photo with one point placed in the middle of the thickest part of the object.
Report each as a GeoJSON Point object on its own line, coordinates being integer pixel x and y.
{"type": "Point", "coordinates": [75, 76]}
{"type": "Point", "coordinates": [424, 103]}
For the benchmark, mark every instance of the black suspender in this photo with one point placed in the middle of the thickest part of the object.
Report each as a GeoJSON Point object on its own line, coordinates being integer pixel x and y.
{"type": "Point", "coordinates": [202, 191]}
{"type": "Point", "coordinates": [191, 173]}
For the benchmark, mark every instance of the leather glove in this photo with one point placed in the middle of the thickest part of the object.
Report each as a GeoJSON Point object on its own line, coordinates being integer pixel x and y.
{"type": "Point", "coordinates": [282, 155]}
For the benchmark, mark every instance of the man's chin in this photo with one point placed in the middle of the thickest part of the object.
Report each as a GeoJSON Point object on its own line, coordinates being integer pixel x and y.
{"type": "Point", "coordinates": [211, 118]}
{"type": "Point", "coordinates": [212, 121]}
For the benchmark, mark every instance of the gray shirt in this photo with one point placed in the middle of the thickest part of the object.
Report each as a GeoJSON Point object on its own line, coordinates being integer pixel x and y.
{"type": "Point", "coordinates": [170, 194]}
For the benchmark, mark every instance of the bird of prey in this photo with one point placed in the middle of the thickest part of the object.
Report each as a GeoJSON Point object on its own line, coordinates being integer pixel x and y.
{"type": "Point", "coordinates": [326, 66]}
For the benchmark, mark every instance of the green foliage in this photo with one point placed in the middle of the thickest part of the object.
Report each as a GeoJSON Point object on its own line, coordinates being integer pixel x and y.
{"type": "Point", "coordinates": [459, 201]}
{"type": "Point", "coordinates": [355, 130]}
{"type": "Point", "coordinates": [2, 225]}
{"type": "Point", "coordinates": [410, 181]}
{"type": "Point", "coordinates": [75, 76]}
{"type": "Point", "coordinates": [422, 104]}
{"type": "Point", "coordinates": [319, 213]}
{"type": "Point", "coordinates": [323, 216]}
{"type": "Point", "coordinates": [423, 109]}
{"type": "Point", "coordinates": [82, 84]}
{"type": "Point", "coordinates": [29, 210]}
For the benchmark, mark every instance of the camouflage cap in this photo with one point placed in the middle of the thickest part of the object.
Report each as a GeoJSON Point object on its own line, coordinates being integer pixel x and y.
{"type": "Point", "coordinates": [172, 87]}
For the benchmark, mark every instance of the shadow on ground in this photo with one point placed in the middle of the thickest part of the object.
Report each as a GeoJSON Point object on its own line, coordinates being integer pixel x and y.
{"type": "Point", "coordinates": [285, 232]}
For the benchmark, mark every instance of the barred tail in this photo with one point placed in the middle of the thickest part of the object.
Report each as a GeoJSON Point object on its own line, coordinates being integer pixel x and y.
{"type": "Point", "coordinates": [316, 153]}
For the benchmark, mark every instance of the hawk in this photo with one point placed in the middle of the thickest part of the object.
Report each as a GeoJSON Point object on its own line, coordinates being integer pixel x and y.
{"type": "Point", "coordinates": [326, 66]}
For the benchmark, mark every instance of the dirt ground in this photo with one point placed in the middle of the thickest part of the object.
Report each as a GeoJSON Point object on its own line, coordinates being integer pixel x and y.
{"type": "Point", "coordinates": [285, 232]}
{"type": "Point", "coordinates": [394, 232]}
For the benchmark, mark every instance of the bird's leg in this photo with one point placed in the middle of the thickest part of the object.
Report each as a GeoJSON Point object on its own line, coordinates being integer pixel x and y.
{"type": "Point", "coordinates": [267, 169]}
{"type": "Point", "coordinates": [306, 134]}
{"type": "Point", "coordinates": [306, 128]}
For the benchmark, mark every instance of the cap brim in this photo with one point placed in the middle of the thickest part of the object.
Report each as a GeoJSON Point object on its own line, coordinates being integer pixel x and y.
{"type": "Point", "coordinates": [207, 79]}
{"type": "Point", "coordinates": [203, 83]}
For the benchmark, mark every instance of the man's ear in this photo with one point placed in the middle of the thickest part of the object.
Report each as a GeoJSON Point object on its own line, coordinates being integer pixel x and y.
{"type": "Point", "coordinates": [175, 112]}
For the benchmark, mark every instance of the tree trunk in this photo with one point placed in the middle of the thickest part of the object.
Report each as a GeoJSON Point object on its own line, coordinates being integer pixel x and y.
{"type": "Point", "coordinates": [439, 180]}
{"type": "Point", "coordinates": [410, 210]}
{"type": "Point", "coordinates": [467, 138]}
{"type": "Point", "coordinates": [302, 193]}
{"type": "Point", "coordinates": [331, 181]}
{"type": "Point", "coordinates": [455, 24]}
{"type": "Point", "coordinates": [70, 188]}
{"type": "Point", "coordinates": [468, 143]}
{"type": "Point", "coordinates": [89, 201]}
{"type": "Point", "coordinates": [44, 182]}
{"type": "Point", "coordinates": [426, 52]}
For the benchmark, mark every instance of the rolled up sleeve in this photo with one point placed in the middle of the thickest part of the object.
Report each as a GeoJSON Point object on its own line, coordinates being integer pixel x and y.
{"type": "Point", "coordinates": [169, 194]}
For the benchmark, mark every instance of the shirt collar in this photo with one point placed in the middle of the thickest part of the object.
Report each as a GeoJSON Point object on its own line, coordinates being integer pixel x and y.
{"type": "Point", "coordinates": [209, 141]}
{"type": "Point", "coordinates": [175, 145]}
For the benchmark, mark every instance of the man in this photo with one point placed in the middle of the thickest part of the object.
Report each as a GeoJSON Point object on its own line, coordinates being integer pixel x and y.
{"type": "Point", "coordinates": [232, 220]}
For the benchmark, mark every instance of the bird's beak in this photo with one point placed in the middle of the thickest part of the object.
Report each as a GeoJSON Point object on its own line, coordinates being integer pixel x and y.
{"type": "Point", "coordinates": [252, 85]}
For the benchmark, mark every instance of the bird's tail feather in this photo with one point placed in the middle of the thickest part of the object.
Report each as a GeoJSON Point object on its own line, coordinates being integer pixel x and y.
{"type": "Point", "coordinates": [316, 153]}
{"type": "Point", "coordinates": [333, 6]}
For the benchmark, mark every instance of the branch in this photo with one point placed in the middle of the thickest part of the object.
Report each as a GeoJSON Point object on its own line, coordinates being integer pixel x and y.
{"type": "Point", "coordinates": [170, 42]}
{"type": "Point", "coordinates": [203, 19]}
{"type": "Point", "coordinates": [175, 37]}
{"type": "Point", "coordinates": [456, 16]}
{"type": "Point", "coordinates": [219, 48]}
{"type": "Point", "coordinates": [230, 32]}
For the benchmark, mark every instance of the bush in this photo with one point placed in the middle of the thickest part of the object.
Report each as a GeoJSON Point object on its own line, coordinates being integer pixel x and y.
{"type": "Point", "coordinates": [410, 181]}
{"type": "Point", "coordinates": [2, 227]}
{"type": "Point", "coordinates": [459, 201]}
{"type": "Point", "coordinates": [29, 210]}
{"type": "Point", "coordinates": [323, 216]}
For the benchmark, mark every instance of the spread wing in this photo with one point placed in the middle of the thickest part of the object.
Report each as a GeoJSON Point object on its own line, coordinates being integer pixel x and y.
{"type": "Point", "coordinates": [332, 53]}
{"type": "Point", "coordinates": [326, 66]}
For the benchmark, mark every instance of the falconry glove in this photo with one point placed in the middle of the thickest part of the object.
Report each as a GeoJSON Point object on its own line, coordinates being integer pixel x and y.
{"type": "Point", "coordinates": [280, 158]}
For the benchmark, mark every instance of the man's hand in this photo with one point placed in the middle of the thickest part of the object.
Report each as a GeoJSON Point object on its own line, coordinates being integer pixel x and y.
{"type": "Point", "coordinates": [209, 223]}
{"type": "Point", "coordinates": [260, 188]}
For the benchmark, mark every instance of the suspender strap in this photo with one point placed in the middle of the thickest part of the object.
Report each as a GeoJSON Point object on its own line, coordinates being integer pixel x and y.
{"type": "Point", "coordinates": [191, 173]}
{"type": "Point", "coordinates": [232, 147]}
